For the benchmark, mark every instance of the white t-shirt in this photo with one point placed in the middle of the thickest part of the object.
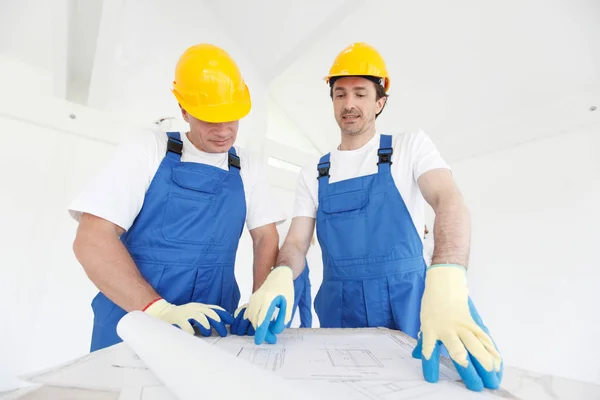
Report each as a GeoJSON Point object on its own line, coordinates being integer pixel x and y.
{"type": "Point", "coordinates": [414, 154]}
{"type": "Point", "coordinates": [428, 246]}
{"type": "Point", "coordinates": [117, 192]}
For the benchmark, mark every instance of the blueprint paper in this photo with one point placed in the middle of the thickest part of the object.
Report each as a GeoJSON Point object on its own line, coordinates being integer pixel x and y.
{"type": "Point", "coordinates": [113, 368]}
{"type": "Point", "coordinates": [333, 354]}
{"type": "Point", "coordinates": [192, 368]}
{"type": "Point", "coordinates": [347, 364]}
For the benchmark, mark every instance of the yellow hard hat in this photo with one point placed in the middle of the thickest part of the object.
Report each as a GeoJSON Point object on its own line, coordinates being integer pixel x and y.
{"type": "Point", "coordinates": [360, 59]}
{"type": "Point", "coordinates": [209, 85]}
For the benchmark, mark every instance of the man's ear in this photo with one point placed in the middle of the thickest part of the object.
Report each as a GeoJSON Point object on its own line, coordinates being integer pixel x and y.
{"type": "Point", "coordinates": [184, 114]}
{"type": "Point", "coordinates": [381, 104]}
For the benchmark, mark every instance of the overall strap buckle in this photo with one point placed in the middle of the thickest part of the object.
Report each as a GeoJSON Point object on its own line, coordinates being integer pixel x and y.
{"type": "Point", "coordinates": [323, 169]}
{"type": "Point", "coordinates": [385, 155]}
{"type": "Point", "coordinates": [174, 145]}
{"type": "Point", "coordinates": [234, 161]}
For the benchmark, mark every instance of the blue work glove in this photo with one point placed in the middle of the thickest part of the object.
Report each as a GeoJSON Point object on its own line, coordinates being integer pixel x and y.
{"type": "Point", "coordinates": [448, 316]}
{"type": "Point", "coordinates": [277, 292]}
{"type": "Point", "coordinates": [241, 325]}
{"type": "Point", "coordinates": [204, 317]}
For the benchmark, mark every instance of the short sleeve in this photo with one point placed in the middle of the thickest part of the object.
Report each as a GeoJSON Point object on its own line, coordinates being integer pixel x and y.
{"type": "Point", "coordinates": [305, 205]}
{"type": "Point", "coordinates": [263, 207]}
{"type": "Point", "coordinates": [425, 155]}
{"type": "Point", "coordinates": [117, 192]}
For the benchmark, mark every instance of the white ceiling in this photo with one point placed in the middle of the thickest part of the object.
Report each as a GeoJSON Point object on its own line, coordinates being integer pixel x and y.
{"type": "Point", "coordinates": [477, 76]}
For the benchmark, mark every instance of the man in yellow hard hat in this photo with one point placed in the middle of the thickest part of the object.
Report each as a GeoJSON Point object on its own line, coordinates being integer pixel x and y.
{"type": "Point", "coordinates": [159, 227]}
{"type": "Point", "coordinates": [367, 200]}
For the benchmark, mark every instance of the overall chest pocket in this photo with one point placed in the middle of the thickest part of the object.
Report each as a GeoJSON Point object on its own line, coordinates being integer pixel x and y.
{"type": "Point", "coordinates": [344, 224]}
{"type": "Point", "coordinates": [190, 207]}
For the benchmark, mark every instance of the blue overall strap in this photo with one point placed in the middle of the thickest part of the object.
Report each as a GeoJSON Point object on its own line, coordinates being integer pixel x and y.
{"type": "Point", "coordinates": [174, 146]}
{"type": "Point", "coordinates": [323, 168]}
{"type": "Point", "coordinates": [234, 161]}
{"type": "Point", "coordinates": [384, 154]}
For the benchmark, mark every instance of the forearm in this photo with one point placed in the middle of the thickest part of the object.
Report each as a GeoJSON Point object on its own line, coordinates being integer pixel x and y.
{"type": "Point", "coordinates": [293, 255]}
{"type": "Point", "coordinates": [110, 267]}
{"type": "Point", "coordinates": [265, 254]}
{"type": "Point", "coordinates": [452, 232]}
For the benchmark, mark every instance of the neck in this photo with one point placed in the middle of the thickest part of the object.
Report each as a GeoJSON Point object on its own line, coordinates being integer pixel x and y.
{"type": "Point", "coordinates": [353, 142]}
{"type": "Point", "coordinates": [192, 140]}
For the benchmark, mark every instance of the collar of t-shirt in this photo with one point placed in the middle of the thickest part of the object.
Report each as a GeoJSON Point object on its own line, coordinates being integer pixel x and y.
{"type": "Point", "coordinates": [371, 146]}
{"type": "Point", "coordinates": [192, 153]}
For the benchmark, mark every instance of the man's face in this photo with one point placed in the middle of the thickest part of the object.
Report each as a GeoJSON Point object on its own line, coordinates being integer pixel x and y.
{"type": "Point", "coordinates": [211, 137]}
{"type": "Point", "coordinates": [355, 105]}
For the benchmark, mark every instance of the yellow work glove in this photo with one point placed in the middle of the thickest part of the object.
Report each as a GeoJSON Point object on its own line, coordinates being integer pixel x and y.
{"type": "Point", "coordinates": [449, 316]}
{"type": "Point", "coordinates": [190, 315]}
{"type": "Point", "coordinates": [241, 325]}
{"type": "Point", "coordinates": [276, 292]}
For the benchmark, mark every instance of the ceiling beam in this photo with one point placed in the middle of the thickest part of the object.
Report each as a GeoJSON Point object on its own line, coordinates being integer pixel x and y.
{"type": "Point", "coordinates": [295, 52]}
{"type": "Point", "coordinates": [61, 14]}
{"type": "Point", "coordinates": [84, 28]}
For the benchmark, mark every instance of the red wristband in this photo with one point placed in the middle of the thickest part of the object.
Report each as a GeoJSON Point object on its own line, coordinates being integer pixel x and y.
{"type": "Point", "coordinates": [152, 302]}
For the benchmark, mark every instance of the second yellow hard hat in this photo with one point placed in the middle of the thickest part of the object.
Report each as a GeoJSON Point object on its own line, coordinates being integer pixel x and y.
{"type": "Point", "coordinates": [360, 59]}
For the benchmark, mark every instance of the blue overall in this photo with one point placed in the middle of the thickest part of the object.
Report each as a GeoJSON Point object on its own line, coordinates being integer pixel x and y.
{"type": "Point", "coordinates": [373, 265]}
{"type": "Point", "coordinates": [185, 238]}
{"type": "Point", "coordinates": [302, 298]}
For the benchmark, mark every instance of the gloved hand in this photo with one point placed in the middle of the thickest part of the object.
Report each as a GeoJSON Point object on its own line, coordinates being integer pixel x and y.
{"type": "Point", "coordinates": [241, 325]}
{"type": "Point", "coordinates": [448, 316]}
{"type": "Point", "coordinates": [202, 316]}
{"type": "Point", "coordinates": [276, 292]}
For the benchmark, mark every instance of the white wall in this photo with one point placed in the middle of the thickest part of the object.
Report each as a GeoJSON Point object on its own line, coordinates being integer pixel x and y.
{"type": "Point", "coordinates": [45, 315]}
{"type": "Point", "coordinates": [45, 295]}
{"type": "Point", "coordinates": [534, 266]}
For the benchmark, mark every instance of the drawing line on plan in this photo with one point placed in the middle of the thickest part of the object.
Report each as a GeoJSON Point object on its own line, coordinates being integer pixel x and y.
{"type": "Point", "coordinates": [360, 358]}
{"type": "Point", "coordinates": [271, 359]}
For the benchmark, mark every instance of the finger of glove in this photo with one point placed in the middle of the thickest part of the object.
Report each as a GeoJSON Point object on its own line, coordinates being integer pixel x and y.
{"type": "Point", "coordinates": [289, 301]}
{"type": "Point", "coordinates": [240, 310]}
{"type": "Point", "coordinates": [219, 326]}
{"type": "Point", "coordinates": [266, 312]}
{"type": "Point", "coordinates": [265, 315]}
{"type": "Point", "coordinates": [225, 317]}
{"type": "Point", "coordinates": [200, 322]}
{"type": "Point", "coordinates": [431, 365]}
{"type": "Point", "coordinates": [215, 307]}
{"type": "Point", "coordinates": [243, 326]}
{"type": "Point", "coordinates": [418, 350]}
{"type": "Point", "coordinates": [486, 340]}
{"type": "Point", "coordinates": [234, 328]}
{"type": "Point", "coordinates": [270, 338]}
{"type": "Point", "coordinates": [428, 343]}
{"type": "Point", "coordinates": [278, 325]}
{"type": "Point", "coordinates": [250, 331]}
{"type": "Point", "coordinates": [484, 335]}
{"type": "Point", "coordinates": [476, 349]}
{"type": "Point", "coordinates": [469, 375]}
{"type": "Point", "coordinates": [199, 319]}
{"type": "Point", "coordinates": [253, 310]}
{"type": "Point", "coordinates": [456, 348]}
{"type": "Point", "coordinates": [185, 326]}
{"type": "Point", "coordinates": [210, 313]}
{"type": "Point", "coordinates": [491, 379]}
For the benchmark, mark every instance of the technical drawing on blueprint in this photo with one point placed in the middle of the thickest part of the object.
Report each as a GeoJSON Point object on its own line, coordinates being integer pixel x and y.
{"type": "Point", "coordinates": [349, 364]}
{"type": "Point", "coordinates": [355, 363]}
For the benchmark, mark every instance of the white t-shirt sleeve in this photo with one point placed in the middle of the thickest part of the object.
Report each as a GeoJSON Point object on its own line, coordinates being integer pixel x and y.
{"type": "Point", "coordinates": [117, 192]}
{"type": "Point", "coordinates": [263, 207]}
{"type": "Point", "coordinates": [304, 205]}
{"type": "Point", "coordinates": [425, 156]}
